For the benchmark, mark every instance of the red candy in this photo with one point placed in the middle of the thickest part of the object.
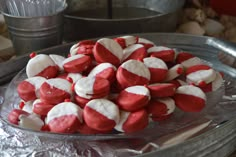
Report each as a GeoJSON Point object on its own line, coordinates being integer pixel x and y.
{"type": "Point", "coordinates": [65, 117]}
{"type": "Point", "coordinates": [133, 98]}
{"type": "Point", "coordinates": [121, 83]}
{"type": "Point", "coordinates": [55, 91]}
{"type": "Point", "coordinates": [164, 53]}
{"type": "Point", "coordinates": [126, 41]}
{"type": "Point", "coordinates": [41, 108]}
{"type": "Point", "coordinates": [190, 98]}
{"type": "Point", "coordinates": [104, 70]}
{"type": "Point", "coordinates": [131, 73]}
{"type": "Point", "coordinates": [136, 51]}
{"type": "Point", "coordinates": [77, 63]}
{"type": "Point", "coordinates": [132, 121]}
{"type": "Point", "coordinates": [161, 109]}
{"type": "Point", "coordinates": [101, 114]}
{"type": "Point", "coordinates": [14, 115]}
{"type": "Point", "coordinates": [157, 68]}
{"type": "Point", "coordinates": [41, 65]}
{"type": "Point", "coordinates": [29, 88]}
{"type": "Point", "coordinates": [108, 50]}
{"type": "Point", "coordinates": [161, 90]}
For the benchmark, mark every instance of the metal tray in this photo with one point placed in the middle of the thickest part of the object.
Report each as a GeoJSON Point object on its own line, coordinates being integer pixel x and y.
{"type": "Point", "coordinates": [215, 140]}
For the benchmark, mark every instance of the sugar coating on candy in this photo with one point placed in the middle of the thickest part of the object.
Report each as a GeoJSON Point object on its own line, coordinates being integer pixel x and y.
{"type": "Point", "coordinates": [85, 85]}
{"type": "Point", "coordinates": [133, 121]}
{"type": "Point", "coordinates": [202, 75]}
{"type": "Point", "coordinates": [133, 98]}
{"type": "Point", "coordinates": [123, 117]}
{"type": "Point", "coordinates": [61, 84]}
{"type": "Point", "coordinates": [191, 90]}
{"type": "Point", "coordinates": [74, 48]}
{"type": "Point", "coordinates": [58, 60]}
{"type": "Point", "coordinates": [170, 104]}
{"type": "Point", "coordinates": [37, 81]}
{"type": "Point", "coordinates": [29, 88]}
{"type": "Point", "coordinates": [28, 106]}
{"type": "Point", "coordinates": [63, 109]}
{"type": "Point", "coordinates": [214, 85]}
{"type": "Point", "coordinates": [69, 59]}
{"type": "Point", "coordinates": [75, 76]}
{"type": "Point", "coordinates": [37, 64]}
{"type": "Point", "coordinates": [106, 108]}
{"type": "Point", "coordinates": [140, 90]}
{"type": "Point", "coordinates": [190, 98]}
{"type": "Point", "coordinates": [13, 116]}
{"type": "Point", "coordinates": [99, 68]}
{"type": "Point", "coordinates": [153, 62]}
{"type": "Point", "coordinates": [137, 67]}
{"type": "Point", "coordinates": [112, 46]}
{"type": "Point", "coordinates": [174, 72]}
{"type": "Point", "coordinates": [31, 121]}
{"type": "Point", "coordinates": [127, 40]}
{"type": "Point", "coordinates": [187, 59]}
{"type": "Point", "coordinates": [128, 51]}
{"type": "Point", "coordinates": [191, 62]}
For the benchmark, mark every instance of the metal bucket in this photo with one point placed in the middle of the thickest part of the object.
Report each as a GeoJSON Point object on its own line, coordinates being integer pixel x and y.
{"type": "Point", "coordinates": [90, 18]}
{"type": "Point", "coordinates": [34, 33]}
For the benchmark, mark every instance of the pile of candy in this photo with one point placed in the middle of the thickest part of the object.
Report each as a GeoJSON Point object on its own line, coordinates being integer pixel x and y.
{"type": "Point", "coordinates": [111, 84]}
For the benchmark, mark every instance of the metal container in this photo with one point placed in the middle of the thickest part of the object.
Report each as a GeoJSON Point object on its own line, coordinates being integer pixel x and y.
{"type": "Point", "coordinates": [34, 33]}
{"type": "Point", "coordinates": [92, 18]}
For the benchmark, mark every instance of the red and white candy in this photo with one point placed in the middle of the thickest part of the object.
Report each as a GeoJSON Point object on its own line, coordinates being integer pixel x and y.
{"type": "Point", "coordinates": [41, 108]}
{"type": "Point", "coordinates": [101, 114]}
{"type": "Point", "coordinates": [65, 117]}
{"type": "Point", "coordinates": [187, 59]}
{"type": "Point", "coordinates": [174, 72]}
{"type": "Point", "coordinates": [161, 108]}
{"type": "Point", "coordinates": [29, 89]}
{"type": "Point", "coordinates": [41, 65]}
{"type": "Point", "coordinates": [164, 53]}
{"type": "Point", "coordinates": [104, 70]}
{"type": "Point", "coordinates": [214, 85]}
{"type": "Point", "coordinates": [108, 50]}
{"type": "Point", "coordinates": [132, 121]}
{"type": "Point", "coordinates": [54, 91]}
{"type": "Point", "coordinates": [146, 43]}
{"type": "Point", "coordinates": [126, 41]}
{"type": "Point", "coordinates": [136, 51]}
{"type": "Point", "coordinates": [157, 68]}
{"type": "Point", "coordinates": [131, 73]}
{"type": "Point", "coordinates": [77, 63]}
{"type": "Point", "coordinates": [133, 98]}
{"type": "Point", "coordinates": [161, 90]}
{"type": "Point", "coordinates": [92, 87]}
{"type": "Point", "coordinates": [190, 98]}
{"type": "Point", "coordinates": [200, 75]}
{"type": "Point", "coordinates": [58, 60]}
{"type": "Point", "coordinates": [83, 47]}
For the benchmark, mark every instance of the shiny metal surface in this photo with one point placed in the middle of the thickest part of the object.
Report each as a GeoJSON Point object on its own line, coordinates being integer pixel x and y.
{"type": "Point", "coordinates": [34, 33]}
{"type": "Point", "coordinates": [165, 20]}
{"type": "Point", "coordinates": [216, 138]}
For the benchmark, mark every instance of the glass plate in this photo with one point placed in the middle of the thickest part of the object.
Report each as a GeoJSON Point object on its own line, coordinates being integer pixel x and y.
{"type": "Point", "coordinates": [155, 130]}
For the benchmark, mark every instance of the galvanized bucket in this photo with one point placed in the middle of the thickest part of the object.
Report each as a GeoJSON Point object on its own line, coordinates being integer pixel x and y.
{"type": "Point", "coordinates": [34, 33]}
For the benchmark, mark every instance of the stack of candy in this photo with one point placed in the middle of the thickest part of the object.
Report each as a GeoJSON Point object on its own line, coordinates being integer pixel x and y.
{"type": "Point", "coordinates": [119, 84]}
